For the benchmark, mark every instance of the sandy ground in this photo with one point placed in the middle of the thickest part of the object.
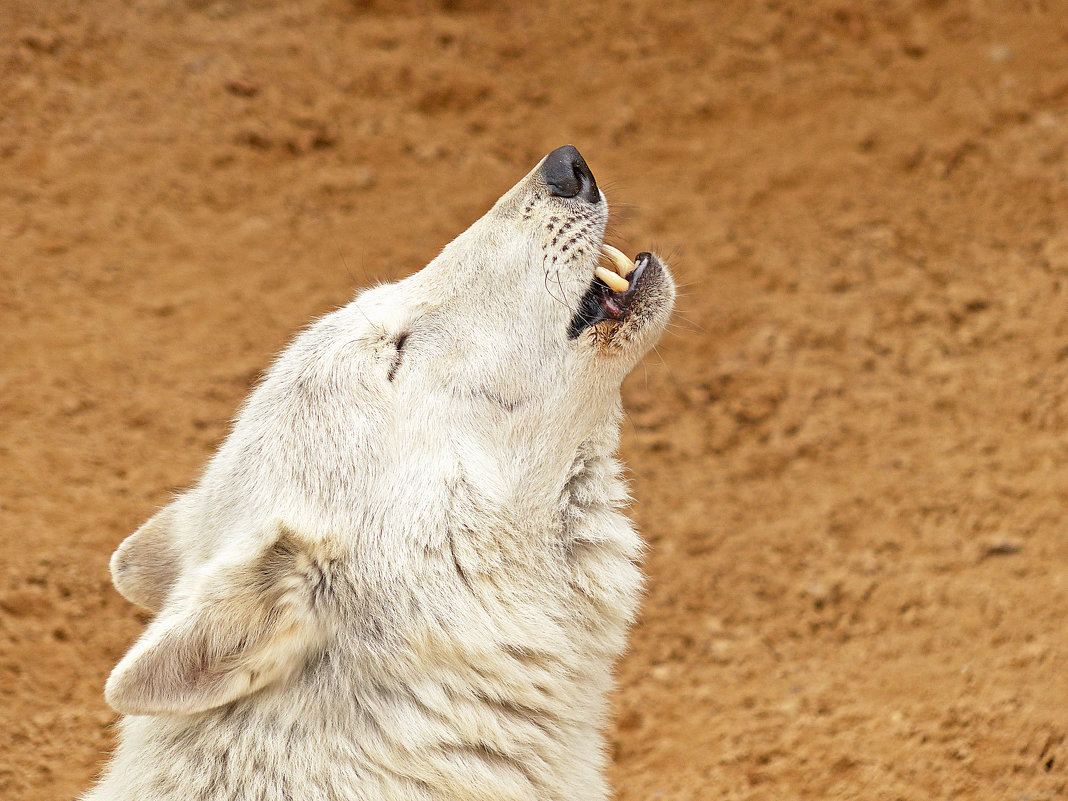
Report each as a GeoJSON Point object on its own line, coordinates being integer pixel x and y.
{"type": "Point", "coordinates": [850, 456]}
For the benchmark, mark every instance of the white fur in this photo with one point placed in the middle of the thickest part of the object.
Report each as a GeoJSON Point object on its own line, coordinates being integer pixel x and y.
{"type": "Point", "coordinates": [403, 587]}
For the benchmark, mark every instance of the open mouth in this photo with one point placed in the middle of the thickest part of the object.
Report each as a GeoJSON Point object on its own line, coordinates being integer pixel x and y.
{"type": "Point", "coordinates": [611, 291]}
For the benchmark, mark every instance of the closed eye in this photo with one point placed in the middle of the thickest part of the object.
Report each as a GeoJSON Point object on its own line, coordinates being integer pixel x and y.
{"type": "Point", "coordinates": [402, 340]}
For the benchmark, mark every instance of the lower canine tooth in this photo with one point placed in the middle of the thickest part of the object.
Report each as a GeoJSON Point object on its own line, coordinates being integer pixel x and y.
{"type": "Point", "coordinates": [620, 262]}
{"type": "Point", "coordinates": [614, 282]}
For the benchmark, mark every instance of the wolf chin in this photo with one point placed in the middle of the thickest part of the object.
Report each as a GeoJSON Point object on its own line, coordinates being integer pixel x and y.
{"type": "Point", "coordinates": [405, 575]}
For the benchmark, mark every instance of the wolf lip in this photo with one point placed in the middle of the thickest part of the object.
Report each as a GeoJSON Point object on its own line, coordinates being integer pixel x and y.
{"type": "Point", "coordinates": [601, 302]}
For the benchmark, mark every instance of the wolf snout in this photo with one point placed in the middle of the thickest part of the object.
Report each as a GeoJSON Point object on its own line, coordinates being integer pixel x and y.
{"type": "Point", "coordinates": [567, 175]}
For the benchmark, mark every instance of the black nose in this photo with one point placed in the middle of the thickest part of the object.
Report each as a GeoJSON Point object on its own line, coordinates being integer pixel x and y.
{"type": "Point", "coordinates": [567, 175]}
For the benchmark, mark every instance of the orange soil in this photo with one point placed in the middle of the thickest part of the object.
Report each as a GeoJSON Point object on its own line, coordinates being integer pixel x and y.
{"type": "Point", "coordinates": [849, 456]}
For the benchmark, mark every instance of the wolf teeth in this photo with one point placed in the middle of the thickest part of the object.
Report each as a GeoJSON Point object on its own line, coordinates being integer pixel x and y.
{"type": "Point", "coordinates": [614, 281]}
{"type": "Point", "coordinates": [620, 263]}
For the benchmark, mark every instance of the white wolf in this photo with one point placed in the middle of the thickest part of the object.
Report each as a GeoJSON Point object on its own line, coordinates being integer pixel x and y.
{"type": "Point", "coordinates": [405, 575]}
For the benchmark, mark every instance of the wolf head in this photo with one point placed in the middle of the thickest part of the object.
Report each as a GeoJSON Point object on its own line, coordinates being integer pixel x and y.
{"type": "Point", "coordinates": [455, 400]}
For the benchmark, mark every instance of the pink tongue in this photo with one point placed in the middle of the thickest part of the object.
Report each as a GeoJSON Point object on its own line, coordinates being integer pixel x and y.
{"type": "Point", "coordinates": [612, 307]}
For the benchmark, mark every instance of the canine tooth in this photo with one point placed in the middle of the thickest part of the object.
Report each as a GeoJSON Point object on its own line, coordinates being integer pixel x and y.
{"type": "Point", "coordinates": [615, 282]}
{"type": "Point", "coordinates": [622, 265]}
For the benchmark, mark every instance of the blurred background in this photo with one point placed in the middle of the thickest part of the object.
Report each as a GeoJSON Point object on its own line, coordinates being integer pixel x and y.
{"type": "Point", "coordinates": [849, 455]}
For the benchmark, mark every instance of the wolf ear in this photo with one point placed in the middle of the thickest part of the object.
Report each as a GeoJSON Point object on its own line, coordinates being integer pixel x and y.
{"type": "Point", "coordinates": [248, 626]}
{"type": "Point", "coordinates": [145, 566]}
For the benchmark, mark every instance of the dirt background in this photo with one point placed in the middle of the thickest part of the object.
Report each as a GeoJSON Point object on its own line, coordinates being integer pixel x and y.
{"type": "Point", "coordinates": [849, 456]}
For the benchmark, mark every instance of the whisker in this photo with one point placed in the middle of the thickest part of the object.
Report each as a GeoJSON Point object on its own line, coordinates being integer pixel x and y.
{"type": "Point", "coordinates": [345, 264]}
{"type": "Point", "coordinates": [686, 284]}
{"type": "Point", "coordinates": [695, 326]}
{"type": "Point", "coordinates": [690, 328]}
{"type": "Point", "coordinates": [559, 284]}
{"type": "Point", "coordinates": [549, 290]}
{"type": "Point", "coordinates": [667, 367]}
